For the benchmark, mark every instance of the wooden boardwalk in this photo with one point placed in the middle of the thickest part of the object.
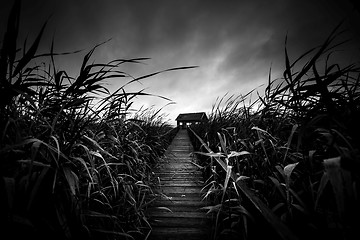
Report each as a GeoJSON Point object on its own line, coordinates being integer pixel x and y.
{"type": "Point", "coordinates": [176, 213]}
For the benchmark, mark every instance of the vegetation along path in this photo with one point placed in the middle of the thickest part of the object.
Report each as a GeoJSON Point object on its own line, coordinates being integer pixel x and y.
{"type": "Point", "coordinates": [177, 213]}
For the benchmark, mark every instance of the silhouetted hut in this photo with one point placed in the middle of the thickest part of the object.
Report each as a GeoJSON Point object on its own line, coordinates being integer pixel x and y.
{"type": "Point", "coordinates": [186, 119]}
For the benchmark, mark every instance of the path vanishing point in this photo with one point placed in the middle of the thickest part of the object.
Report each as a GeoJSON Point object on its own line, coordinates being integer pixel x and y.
{"type": "Point", "coordinates": [176, 213]}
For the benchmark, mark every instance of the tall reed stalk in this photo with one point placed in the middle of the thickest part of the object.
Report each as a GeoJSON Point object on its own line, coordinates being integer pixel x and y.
{"type": "Point", "coordinates": [75, 160]}
{"type": "Point", "coordinates": [302, 140]}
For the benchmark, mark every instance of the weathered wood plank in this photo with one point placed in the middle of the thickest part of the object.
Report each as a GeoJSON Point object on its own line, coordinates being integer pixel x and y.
{"type": "Point", "coordinates": [178, 174]}
{"type": "Point", "coordinates": [173, 195]}
{"type": "Point", "coordinates": [177, 213]}
{"type": "Point", "coordinates": [184, 190]}
{"type": "Point", "coordinates": [177, 203]}
{"type": "Point", "coordinates": [175, 233]}
{"type": "Point", "coordinates": [178, 166]}
{"type": "Point", "coordinates": [178, 222]}
{"type": "Point", "coordinates": [180, 183]}
{"type": "Point", "coordinates": [191, 213]}
{"type": "Point", "coordinates": [179, 198]}
{"type": "Point", "coordinates": [180, 179]}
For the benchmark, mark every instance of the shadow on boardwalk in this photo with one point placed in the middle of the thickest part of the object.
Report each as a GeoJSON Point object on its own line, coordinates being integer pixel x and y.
{"type": "Point", "coordinates": [177, 213]}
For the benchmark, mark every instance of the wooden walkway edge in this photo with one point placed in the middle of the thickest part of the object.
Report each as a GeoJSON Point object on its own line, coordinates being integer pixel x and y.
{"type": "Point", "coordinates": [176, 213]}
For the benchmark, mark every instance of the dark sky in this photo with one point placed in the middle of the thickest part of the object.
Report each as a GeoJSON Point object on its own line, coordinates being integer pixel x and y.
{"type": "Point", "coordinates": [234, 43]}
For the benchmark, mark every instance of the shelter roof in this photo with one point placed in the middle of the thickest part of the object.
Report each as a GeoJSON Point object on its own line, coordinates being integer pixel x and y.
{"type": "Point", "coordinates": [192, 117]}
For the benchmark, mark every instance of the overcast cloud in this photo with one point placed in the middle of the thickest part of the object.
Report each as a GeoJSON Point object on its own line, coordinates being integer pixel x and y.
{"type": "Point", "coordinates": [233, 43]}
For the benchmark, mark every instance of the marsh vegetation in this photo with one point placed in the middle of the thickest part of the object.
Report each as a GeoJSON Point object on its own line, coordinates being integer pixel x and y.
{"type": "Point", "coordinates": [296, 147]}
{"type": "Point", "coordinates": [76, 159]}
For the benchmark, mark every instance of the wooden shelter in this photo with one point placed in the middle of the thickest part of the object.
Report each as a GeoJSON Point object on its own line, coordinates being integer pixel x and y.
{"type": "Point", "coordinates": [186, 119]}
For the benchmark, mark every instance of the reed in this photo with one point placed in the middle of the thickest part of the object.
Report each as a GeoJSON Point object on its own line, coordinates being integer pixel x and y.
{"type": "Point", "coordinates": [296, 146]}
{"type": "Point", "coordinates": [75, 159]}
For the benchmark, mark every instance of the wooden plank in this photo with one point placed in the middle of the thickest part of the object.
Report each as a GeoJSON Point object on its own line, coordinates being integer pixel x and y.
{"type": "Point", "coordinates": [172, 174]}
{"type": "Point", "coordinates": [176, 233]}
{"type": "Point", "coordinates": [179, 179]}
{"type": "Point", "coordinates": [182, 183]}
{"type": "Point", "coordinates": [194, 213]}
{"type": "Point", "coordinates": [183, 202]}
{"type": "Point", "coordinates": [183, 196]}
{"type": "Point", "coordinates": [178, 166]}
{"type": "Point", "coordinates": [179, 190]}
{"type": "Point", "coordinates": [179, 198]}
{"type": "Point", "coordinates": [182, 190]}
{"type": "Point", "coordinates": [178, 222]}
